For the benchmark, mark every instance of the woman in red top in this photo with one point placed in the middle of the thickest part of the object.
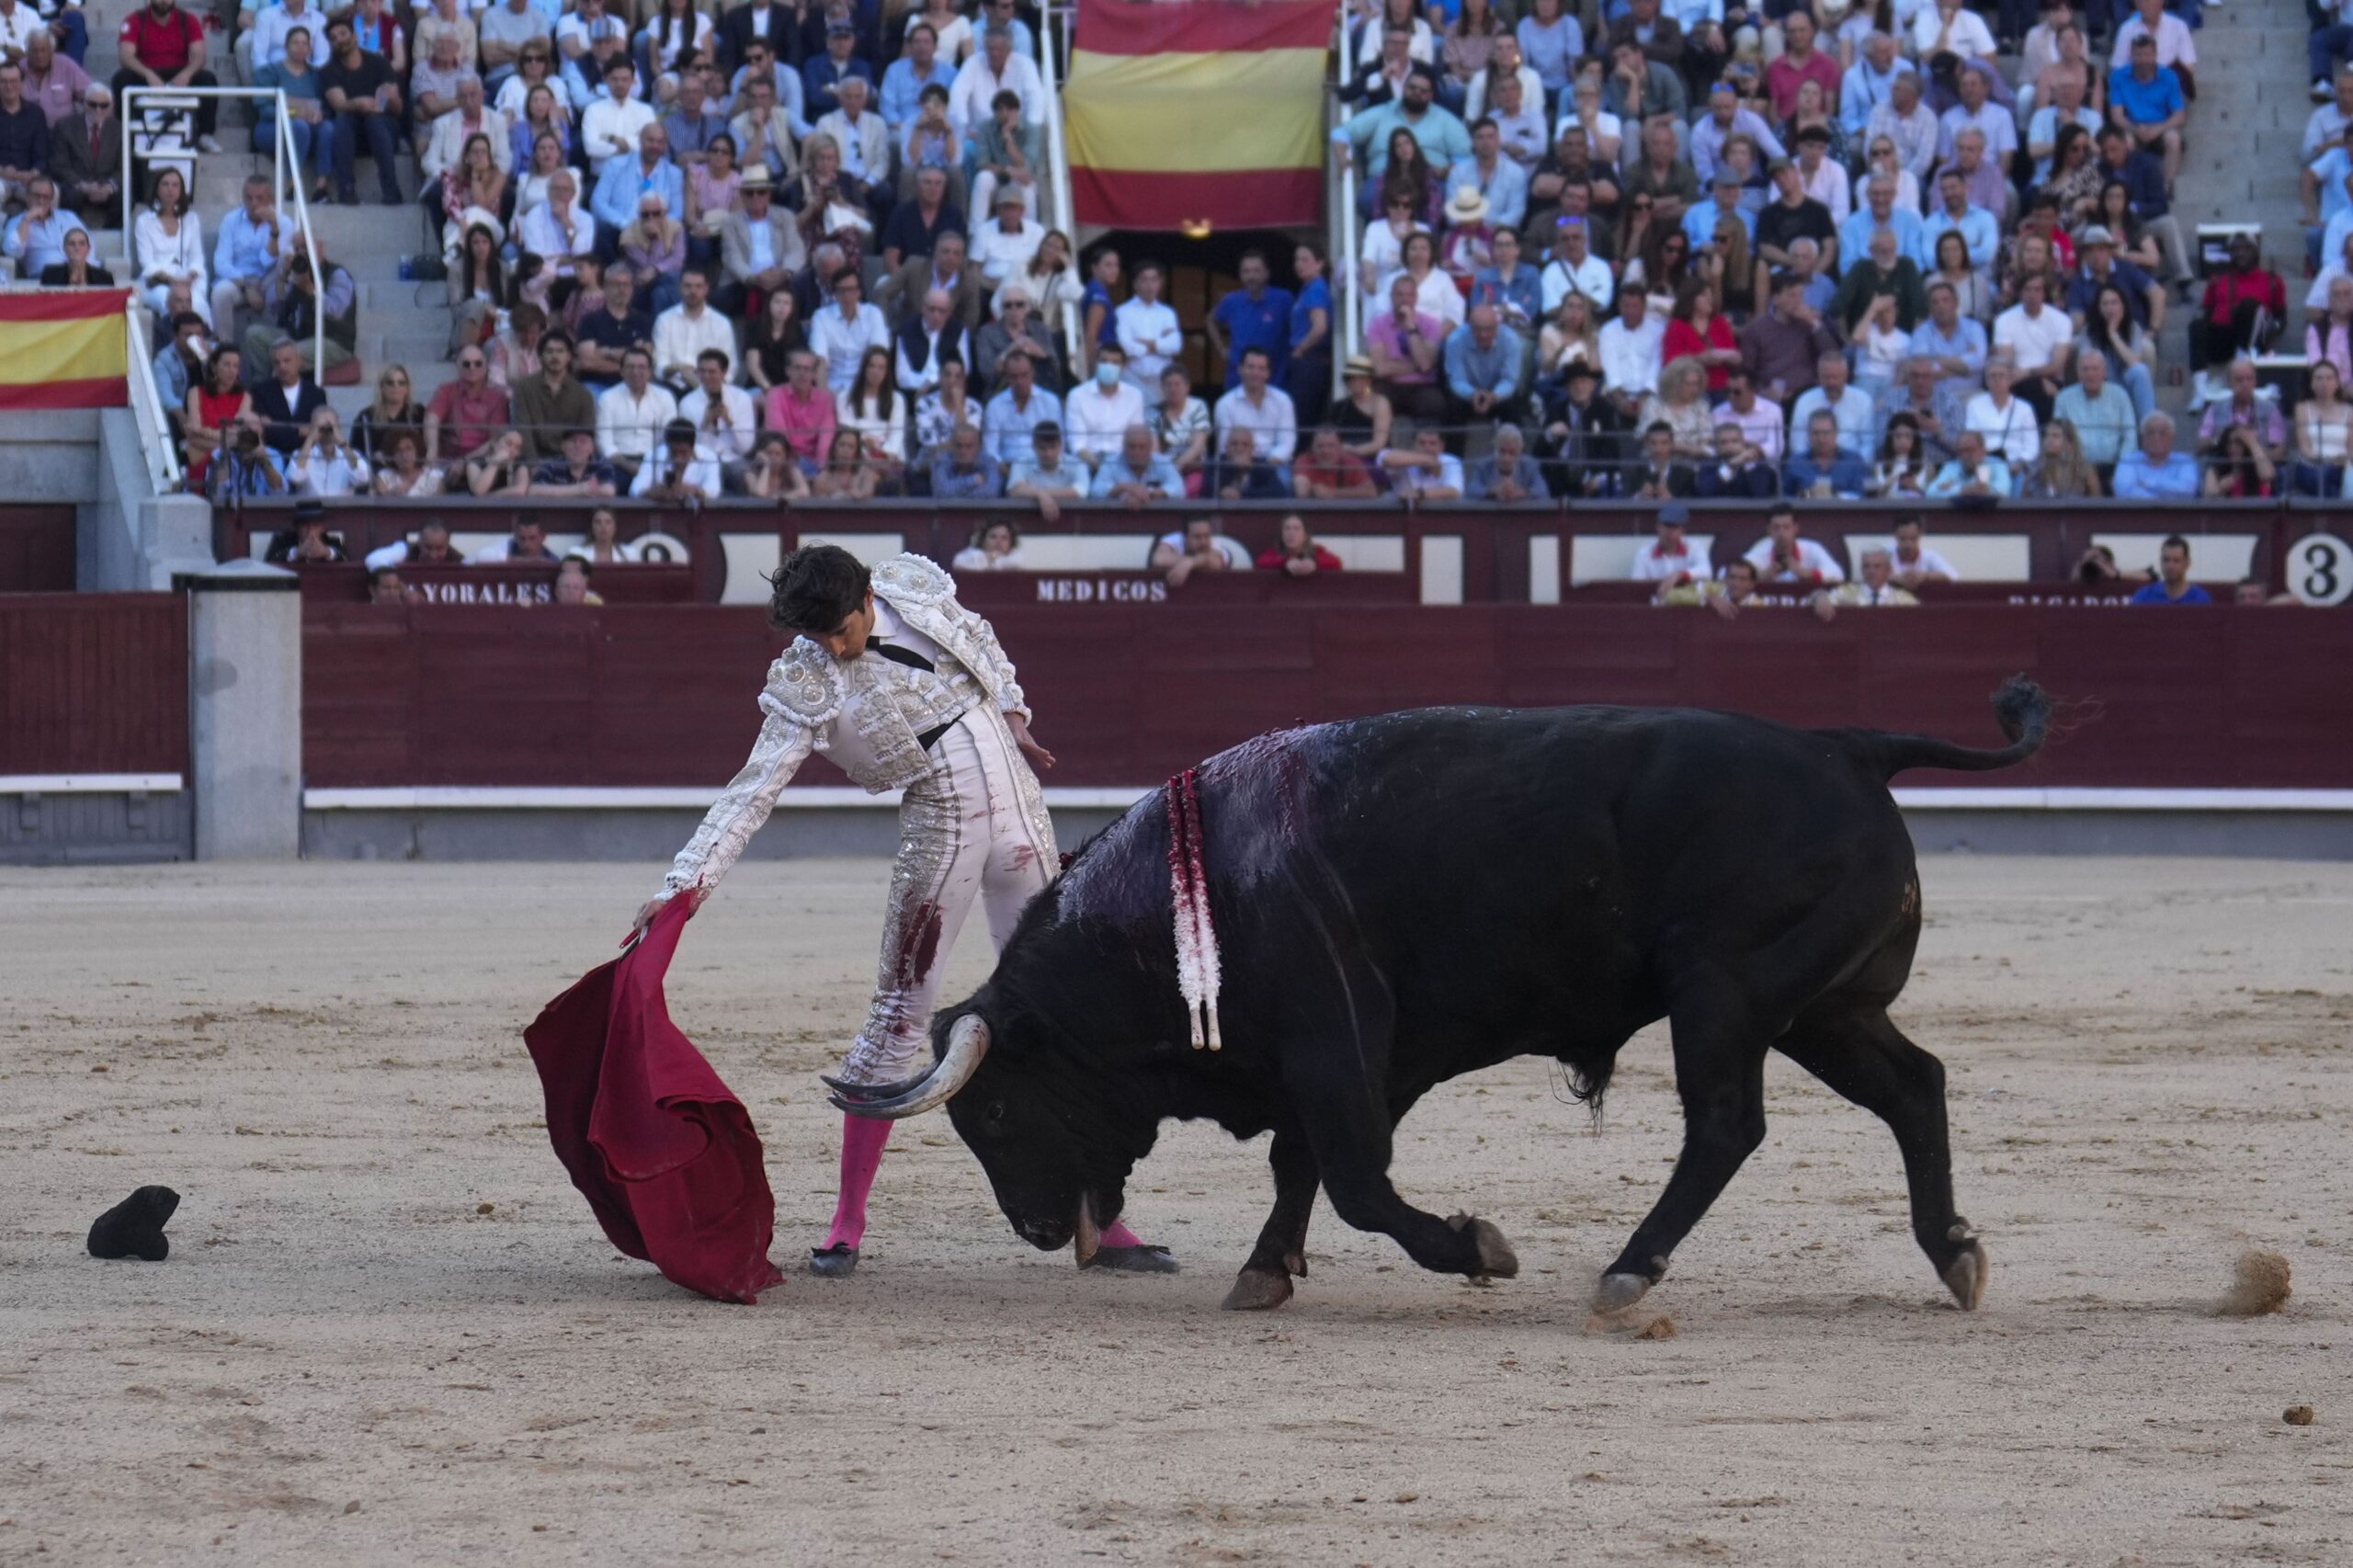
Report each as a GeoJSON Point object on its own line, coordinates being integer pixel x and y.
{"type": "Point", "coordinates": [213, 413]}
{"type": "Point", "coordinates": [1298, 555]}
{"type": "Point", "coordinates": [1698, 329]}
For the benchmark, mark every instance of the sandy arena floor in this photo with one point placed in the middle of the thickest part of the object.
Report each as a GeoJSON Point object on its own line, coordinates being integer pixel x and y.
{"type": "Point", "coordinates": [344, 1361]}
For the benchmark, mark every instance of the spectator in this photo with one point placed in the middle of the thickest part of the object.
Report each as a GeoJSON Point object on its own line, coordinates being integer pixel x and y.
{"type": "Point", "coordinates": [1014, 412]}
{"type": "Point", "coordinates": [466, 414]}
{"type": "Point", "coordinates": [551, 400]}
{"type": "Point", "coordinates": [2244, 405]}
{"type": "Point", "coordinates": [1441, 136]}
{"type": "Point", "coordinates": [918, 224]}
{"type": "Point", "coordinates": [1297, 554]}
{"type": "Point", "coordinates": [163, 46]}
{"type": "Point", "coordinates": [1880, 211]}
{"type": "Point", "coordinates": [325, 464]}
{"type": "Point", "coordinates": [1974, 471]}
{"type": "Point", "coordinates": [1833, 393]}
{"type": "Point", "coordinates": [1906, 465]}
{"type": "Point", "coordinates": [2099, 413]}
{"type": "Point", "coordinates": [501, 468]}
{"type": "Point", "coordinates": [2323, 430]}
{"type": "Point", "coordinates": [54, 86]}
{"type": "Point", "coordinates": [2241, 311]}
{"type": "Point", "coordinates": [1728, 598]}
{"type": "Point", "coordinates": [759, 246]}
{"type": "Point", "coordinates": [1574, 269]}
{"type": "Point", "coordinates": [1791, 215]}
{"type": "Point", "coordinates": [1825, 469]}
{"type": "Point", "coordinates": [655, 247]}
{"type": "Point", "coordinates": [1507, 473]}
{"type": "Point", "coordinates": [1482, 365]}
{"type": "Point", "coordinates": [2147, 101]}
{"type": "Point", "coordinates": [632, 416]}
{"type": "Point", "coordinates": [1137, 475]}
{"type": "Point", "coordinates": [1781, 556]}
{"type": "Point", "coordinates": [1740, 471]}
{"type": "Point", "coordinates": [613, 125]}
{"type": "Point", "coordinates": [2240, 468]}
{"type": "Point", "coordinates": [1427, 471]}
{"type": "Point", "coordinates": [774, 473]}
{"type": "Point", "coordinates": [241, 468]}
{"type": "Point", "coordinates": [431, 547]}
{"type": "Point", "coordinates": [1673, 560]}
{"type": "Point", "coordinates": [85, 160]}
{"type": "Point", "coordinates": [361, 91]}
{"type": "Point", "coordinates": [944, 270]}
{"type": "Point", "coordinates": [1631, 349]}
{"type": "Point", "coordinates": [873, 408]}
{"type": "Point", "coordinates": [403, 472]}
{"type": "Point", "coordinates": [2128, 349]}
{"type": "Point", "coordinates": [433, 82]}
{"type": "Point", "coordinates": [1909, 127]}
{"type": "Point", "coordinates": [721, 414]}
{"type": "Point", "coordinates": [1100, 414]}
{"type": "Point", "coordinates": [2149, 192]}
{"type": "Point", "coordinates": [179, 364]}
{"type": "Point", "coordinates": [2328, 325]}
{"type": "Point", "coordinates": [1241, 473]}
{"type": "Point", "coordinates": [1878, 588]}
{"type": "Point", "coordinates": [1199, 548]}
{"type": "Point", "coordinates": [1148, 331]}
{"type": "Point", "coordinates": [1180, 424]}
{"type": "Point", "coordinates": [1001, 161]}
{"type": "Point", "coordinates": [2172, 586]}
{"type": "Point", "coordinates": [76, 270]}
{"type": "Point", "coordinates": [292, 303]}
{"type": "Point", "coordinates": [386, 587]}
{"type": "Point", "coordinates": [527, 541]}
{"type": "Point", "coordinates": [681, 473]}
{"type": "Point", "coordinates": [2008, 426]}
{"type": "Point", "coordinates": [1659, 475]}
{"type": "Point", "coordinates": [996, 546]}
{"type": "Point", "coordinates": [2058, 471]}
{"type": "Point", "coordinates": [1914, 563]}
{"type": "Point", "coordinates": [1001, 249]}
{"type": "Point", "coordinates": [578, 470]}
{"type": "Point", "coordinates": [690, 329]}
{"type": "Point", "coordinates": [1330, 471]}
{"type": "Point", "coordinates": [1253, 316]}
{"type": "Point", "coordinates": [1783, 345]}
{"type": "Point", "coordinates": [2156, 471]}
{"type": "Point", "coordinates": [287, 400]}
{"type": "Point", "coordinates": [308, 542]}
{"type": "Point", "coordinates": [572, 584]}
{"type": "Point", "coordinates": [606, 334]}
{"type": "Point", "coordinates": [843, 331]}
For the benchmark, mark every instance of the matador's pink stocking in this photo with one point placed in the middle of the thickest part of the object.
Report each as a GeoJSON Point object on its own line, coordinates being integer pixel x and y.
{"type": "Point", "coordinates": [862, 1141]}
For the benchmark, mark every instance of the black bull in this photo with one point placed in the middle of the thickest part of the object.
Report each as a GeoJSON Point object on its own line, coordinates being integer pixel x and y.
{"type": "Point", "coordinates": [1403, 898]}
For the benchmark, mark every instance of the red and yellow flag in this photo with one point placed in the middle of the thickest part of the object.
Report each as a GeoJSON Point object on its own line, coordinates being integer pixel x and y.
{"type": "Point", "coordinates": [63, 348]}
{"type": "Point", "coordinates": [1182, 114]}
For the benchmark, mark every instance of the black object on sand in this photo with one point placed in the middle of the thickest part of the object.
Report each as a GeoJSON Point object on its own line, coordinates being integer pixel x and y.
{"type": "Point", "coordinates": [134, 1227]}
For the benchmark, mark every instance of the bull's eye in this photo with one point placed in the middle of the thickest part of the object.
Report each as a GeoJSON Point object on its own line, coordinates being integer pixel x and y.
{"type": "Point", "coordinates": [993, 1117]}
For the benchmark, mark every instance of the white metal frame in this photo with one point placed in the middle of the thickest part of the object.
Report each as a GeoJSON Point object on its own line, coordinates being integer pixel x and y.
{"type": "Point", "coordinates": [1347, 298]}
{"type": "Point", "coordinates": [280, 185]}
{"type": "Point", "coordinates": [1057, 165]}
{"type": "Point", "coordinates": [161, 451]}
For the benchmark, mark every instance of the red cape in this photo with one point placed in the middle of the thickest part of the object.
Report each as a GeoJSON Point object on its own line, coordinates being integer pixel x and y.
{"type": "Point", "coordinates": [665, 1156]}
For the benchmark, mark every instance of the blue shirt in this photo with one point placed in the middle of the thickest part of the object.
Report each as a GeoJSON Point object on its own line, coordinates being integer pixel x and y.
{"type": "Point", "coordinates": [1108, 335]}
{"type": "Point", "coordinates": [1506, 189]}
{"type": "Point", "coordinates": [2145, 103]}
{"type": "Point", "coordinates": [1160, 475]}
{"type": "Point", "coordinates": [1441, 134]}
{"type": "Point", "coordinates": [1911, 235]}
{"type": "Point", "coordinates": [1070, 474]}
{"type": "Point", "coordinates": [2138, 477]}
{"type": "Point", "coordinates": [1977, 229]}
{"type": "Point", "coordinates": [819, 77]}
{"type": "Point", "coordinates": [2330, 168]}
{"type": "Point", "coordinates": [614, 200]}
{"type": "Point", "coordinates": [902, 89]}
{"type": "Point", "coordinates": [1967, 344]}
{"type": "Point", "coordinates": [1470, 369]}
{"type": "Point", "coordinates": [2154, 593]}
{"type": "Point", "coordinates": [1008, 427]}
{"type": "Point", "coordinates": [1863, 89]}
{"type": "Point", "coordinates": [1700, 221]}
{"type": "Point", "coordinates": [1846, 472]}
{"type": "Point", "coordinates": [2144, 179]}
{"type": "Point", "coordinates": [1523, 295]}
{"type": "Point", "coordinates": [241, 248]}
{"type": "Point", "coordinates": [1263, 323]}
{"type": "Point", "coordinates": [950, 483]}
{"type": "Point", "coordinates": [1316, 296]}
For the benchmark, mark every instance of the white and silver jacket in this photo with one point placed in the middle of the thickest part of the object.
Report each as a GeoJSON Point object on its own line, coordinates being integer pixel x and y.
{"type": "Point", "coordinates": [864, 715]}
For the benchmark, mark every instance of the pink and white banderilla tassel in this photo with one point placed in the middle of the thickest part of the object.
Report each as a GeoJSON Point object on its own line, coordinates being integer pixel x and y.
{"type": "Point", "coordinates": [1188, 892]}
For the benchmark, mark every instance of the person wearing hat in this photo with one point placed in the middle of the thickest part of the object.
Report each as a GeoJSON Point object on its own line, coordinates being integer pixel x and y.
{"type": "Point", "coordinates": [1585, 433]}
{"type": "Point", "coordinates": [1468, 245]}
{"type": "Point", "coordinates": [760, 246]}
{"type": "Point", "coordinates": [1673, 558]}
{"type": "Point", "coordinates": [578, 471]}
{"type": "Point", "coordinates": [1700, 219]}
{"type": "Point", "coordinates": [1361, 415]}
{"type": "Point", "coordinates": [1002, 247]}
{"type": "Point", "coordinates": [1500, 182]}
{"type": "Point", "coordinates": [85, 157]}
{"type": "Point", "coordinates": [2100, 266]}
{"type": "Point", "coordinates": [823, 74]}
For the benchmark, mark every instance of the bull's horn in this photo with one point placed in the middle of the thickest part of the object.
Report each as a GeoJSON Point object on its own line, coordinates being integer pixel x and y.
{"type": "Point", "coordinates": [1087, 1235]}
{"type": "Point", "coordinates": [870, 1091]}
{"type": "Point", "coordinates": [968, 1041]}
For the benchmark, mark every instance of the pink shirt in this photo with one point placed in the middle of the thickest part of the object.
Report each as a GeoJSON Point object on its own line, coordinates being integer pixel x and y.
{"type": "Point", "coordinates": [1384, 331]}
{"type": "Point", "coordinates": [1782, 80]}
{"type": "Point", "coordinates": [807, 426]}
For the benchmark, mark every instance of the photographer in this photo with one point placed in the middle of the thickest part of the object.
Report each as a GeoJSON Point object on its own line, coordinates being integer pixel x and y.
{"type": "Point", "coordinates": [243, 466]}
{"type": "Point", "coordinates": [325, 464]}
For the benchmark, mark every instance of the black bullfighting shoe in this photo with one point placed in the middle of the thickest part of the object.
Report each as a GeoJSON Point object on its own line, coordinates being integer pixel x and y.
{"type": "Point", "coordinates": [835, 1262]}
{"type": "Point", "coordinates": [1144, 1259]}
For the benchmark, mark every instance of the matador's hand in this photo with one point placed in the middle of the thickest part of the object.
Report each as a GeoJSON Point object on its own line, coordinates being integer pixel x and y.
{"type": "Point", "coordinates": [1039, 757]}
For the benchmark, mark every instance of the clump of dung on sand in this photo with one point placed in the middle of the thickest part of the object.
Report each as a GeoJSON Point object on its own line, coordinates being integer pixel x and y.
{"type": "Point", "coordinates": [2260, 1285]}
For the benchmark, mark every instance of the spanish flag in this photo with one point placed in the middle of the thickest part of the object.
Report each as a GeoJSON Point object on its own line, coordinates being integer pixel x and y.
{"type": "Point", "coordinates": [64, 348]}
{"type": "Point", "coordinates": [1186, 114]}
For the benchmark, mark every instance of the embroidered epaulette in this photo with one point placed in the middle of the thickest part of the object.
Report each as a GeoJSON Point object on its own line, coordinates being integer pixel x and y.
{"type": "Point", "coordinates": [907, 579]}
{"type": "Point", "coordinates": [804, 686]}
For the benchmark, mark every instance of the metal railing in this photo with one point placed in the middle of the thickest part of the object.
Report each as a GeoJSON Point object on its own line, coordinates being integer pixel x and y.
{"type": "Point", "coordinates": [1347, 294]}
{"type": "Point", "coordinates": [186, 98]}
{"type": "Point", "coordinates": [1058, 162]}
{"type": "Point", "coordinates": [160, 448]}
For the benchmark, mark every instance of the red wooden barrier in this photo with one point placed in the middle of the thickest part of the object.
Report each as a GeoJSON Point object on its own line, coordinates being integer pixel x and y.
{"type": "Point", "coordinates": [93, 683]}
{"type": "Point", "coordinates": [1128, 693]}
{"type": "Point", "coordinates": [521, 584]}
{"type": "Point", "coordinates": [36, 550]}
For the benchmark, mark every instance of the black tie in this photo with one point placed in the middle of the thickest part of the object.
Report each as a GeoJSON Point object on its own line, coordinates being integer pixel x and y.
{"type": "Point", "coordinates": [906, 656]}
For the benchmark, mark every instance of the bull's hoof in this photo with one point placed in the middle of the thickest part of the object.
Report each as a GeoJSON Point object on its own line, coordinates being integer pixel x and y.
{"type": "Point", "coordinates": [1254, 1292]}
{"type": "Point", "coordinates": [1496, 1260]}
{"type": "Point", "coordinates": [1618, 1291]}
{"type": "Point", "coordinates": [1965, 1277]}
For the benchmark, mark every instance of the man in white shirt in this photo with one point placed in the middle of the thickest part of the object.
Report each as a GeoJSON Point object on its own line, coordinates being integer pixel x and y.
{"type": "Point", "coordinates": [864, 139]}
{"type": "Point", "coordinates": [325, 464]}
{"type": "Point", "coordinates": [1835, 393]}
{"type": "Point", "coordinates": [689, 327]}
{"type": "Point", "coordinates": [1574, 266]}
{"type": "Point", "coordinates": [1149, 331]}
{"type": "Point", "coordinates": [1265, 411]}
{"type": "Point", "coordinates": [1001, 249]}
{"type": "Point", "coordinates": [559, 229]}
{"type": "Point", "coordinates": [721, 414]}
{"type": "Point", "coordinates": [841, 333]}
{"type": "Point", "coordinates": [632, 415]}
{"type": "Point", "coordinates": [1096, 415]}
{"type": "Point", "coordinates": [1914, 563]}
{"type": "Point", "coordinates": [2038, 337]}
{"type": "Point", "coordinates": [1672, 558]}
{"type": "Point", "coordinates": [1630, 347]}
{"type": "Point", "coordinates": [1427, 472]}
{"type": "Point", "coordinates": [1759, 422]}
{"type": "Point", "coordinates": [681, 470]}
{"type": "Point", "coordinates": [1782, 557]}
{"type": "Point", "coordinates": [995, 68]}
{"type": "Point", "coordinates": [2010, 430]}
{"type": "Point", "coordinates": [609, 127]}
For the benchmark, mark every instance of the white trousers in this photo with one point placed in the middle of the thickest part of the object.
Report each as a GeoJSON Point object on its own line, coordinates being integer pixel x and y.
{"type": "Point", "coordinates": [975, 826]}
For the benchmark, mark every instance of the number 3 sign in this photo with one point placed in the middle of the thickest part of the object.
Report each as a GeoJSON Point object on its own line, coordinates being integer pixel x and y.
{"type": "Point", "coordinates": [2320, 570]}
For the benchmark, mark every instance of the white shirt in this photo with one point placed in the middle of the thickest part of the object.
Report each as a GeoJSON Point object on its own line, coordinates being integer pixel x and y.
{"type": "Point", "coordinates": [2011, 433]}
{"type": "Point", "coordinates": [313, 472]}
{"type": "Point", "coordinates": [1853, 411]}
{"type": "Point", "coordinates": [1382, 251]}
{"type": "Point", "coordinates": [733, 441]}
{"type": "Point", "coordinates": [2032, 340]}
{"type": "Point", "coordinates": [1829, 185]}
{"type": "Point", "coordinates": [1650, 566]}
{"type": "Point", "coordinates": [270, 32]}
{"type": "Point", "coordinates": [1410, 481]}
{"type": "Point", "coordinates": [1000, 255]}
{"type": "Point", "coordinates": [679, 337]}
{"type": "Point", "coordinates": [1929, 562]}
{"type": "Point", "coordinates": [1151, 335]}
{"type": "Point", "coordinates": [1436, 295]}
{"type": "Point", "coordinates": [1274, 421]}
{"type": "Point", "coordinates": [543, 235]}
{"type": "Point", "coordinates": [1590, 277]}
{"type": "Point", "coordinates": [701, 475]}
{"type": "Point", "coordinates": [606, 119]}
{"type": "Point", "coordinates": [1236, 555]}
{"type": "Point", "coordinates": [632, 427]}
{"type": "Point", "coordinates": [842, 344]}
{"type": "Point", "coordinates": [2174, 45]}
{"type": "Point", "coordinates": [977, 87]}
{"type": "Point", "coordinates": [1970, 36]}
{"type": "Point", "coordinates": [1095, 421]}
{"type": "Point", "coordinates": [1812, 556]}
{"type": "Point", "coordinates": [175, 256]}
{"type": "Point", "coordinates": [1630, 358]}
{"type": "Point", "coordinates": [890, 432]}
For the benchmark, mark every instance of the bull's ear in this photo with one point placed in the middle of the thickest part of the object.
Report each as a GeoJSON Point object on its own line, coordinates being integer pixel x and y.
{"type": "Point", "coordinates": [968, 1041]}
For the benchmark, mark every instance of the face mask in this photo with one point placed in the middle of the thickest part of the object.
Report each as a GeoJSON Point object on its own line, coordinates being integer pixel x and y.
{"type": "Point", "coordinates": [1106, 375]}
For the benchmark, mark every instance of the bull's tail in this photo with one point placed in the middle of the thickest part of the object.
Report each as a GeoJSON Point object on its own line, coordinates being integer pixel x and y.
{"type": "Point", "coordinates": [2023, 710]}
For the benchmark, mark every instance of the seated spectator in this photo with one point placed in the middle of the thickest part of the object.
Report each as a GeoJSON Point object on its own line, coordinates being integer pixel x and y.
{"type": "Point", "coordinates": [1198, 548]}
{"type": "Point", "coordinates": [2032, 340]}
{"type": "Point", "coordinates": [2145, 100]}
{"type": "Point", "coordinates": [1507, 473]}
{"type": "Point", "coordinates": [1781, 556]}
{"type": "Point", "coordinates": [1047, 473]}
{"type": "Point", "coordinates": [603, 546]}
{"type": "Point", "coordinates": [1916, 564]}
{"type": "Point", "coordinates": [1426, 471]}
{"type": "Point", "coordinates": [1673, 560]}
{"type": "Point", "coordinates": [308, 543]}
{"type": "Point", "coordinates": [690, 329]}
{"type": "Point", "coordinates": [1014, 414]}
{"type": "Point", "coordinates": [2240, 467]}
{"type": "Point", "coordinates": [1782, 347]}
{"type": "Point", "coordinates": [241, 468]}
{"type": "Point", "coordinates": [2127, 353]}
{"type": "Point", "coordinates": [578, 471]}
{"type": "Point", "coordinates": [996, 547]}
{"type": "Point", "coordinates": [1330, 471]}
{"type": "Point", "coordinates": [1180, 421]}
{"type": "Point", "coordinates": [607, 332]}
{"type": "Point", "coordinates": [1825, 469]}
{"type": "Point", "coordinates": [466, 415]}
{"type": "Point", "coordinates": [1881, 275]}
{"type": "Point", "coordinates": [947, 405]}
{"type": "Point", "coordinates": [502, 467]}
{"type": "Point", "coordinates": [1137, 475]}
{"type": "Point", "coordinates": [1833, 393]}
{"type": "Point", "coordinates": [1906, 465]}
{"type": "Point", "coordinates": [1241, 474]}
{"type": "Point", "coordinates": [76, 271]}
{"type": "Point", "coordinates": [1735, 592]}
{"type": "Point", "coordinates": [1878, 588]}
{"type": "Point", "coordinates": [1016, 328]}
{"type": "Point", "coordinates": [2247, 406]}
{"type": "Point", "coordinates": [551, 402]}
{"type": "Point", "coordinates": [1001, 248]}
{"type": "Point", "coordinates": [1482, 362]}
{"type": "Point", "coordinates": [1260, 407]}
{"type": "Point", "coordinates": [1974, 471]}
{"type": "Point", "coordinates": [1102, 411]}
{"type": "Point", "coordinates": [402, 472]}
{"type": "Point", "coordinates": [1740, 471]}
{"type": "Point", "coordinates": [2328, 324]}
{"type": "Point", "coordinates": [1404, 345]}
{"type": "Point", "coordinates": [325, 464]}
{"type": "Point", "coordinates": [873, 408]}
{"type": "Point", "coordinates": [1681, 405]}
{"type": "Point", "coordinates": [682, 473]}
{"type": "Point", "coordinates": [2323, 433]}
{"type": "Point", "coordinates": [2243, 307]}
{"type": "Point", "coordinates": [774, 473]}
{"type": "Point", "coordinates": [361, 91]}
{"type": "Point", "coordinates": [802, 409]}
{"type": "Point", "coordinates": [655, 247]}
{"type": "Point", "coordinates": [527, 541]}
{"type": "Point", "coordinates": [1659, 475]}
{"type": "Point", "coordinates": [2060, 472]}
{"type": "Point", "coordinates": [964, 471]}
{"type": "Point", "coordinates": [287, 400]}
{"type": "Point", "coordinates": [632, 416]}
{"type": "Point", "coordinates": [2172, 586]}
{"type": "Point", "coordinates": [1297, 554]}
{"type": "Point", "coordinates": [2009, 427]}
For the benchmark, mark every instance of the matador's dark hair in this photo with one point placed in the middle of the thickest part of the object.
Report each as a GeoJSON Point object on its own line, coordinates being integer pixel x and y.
{"type": "Point", "coordinates": [817, 587]}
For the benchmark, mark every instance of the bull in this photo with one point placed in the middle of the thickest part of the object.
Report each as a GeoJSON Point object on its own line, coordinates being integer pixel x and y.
{"type": "Point", "coordinates": [1402, 899]}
